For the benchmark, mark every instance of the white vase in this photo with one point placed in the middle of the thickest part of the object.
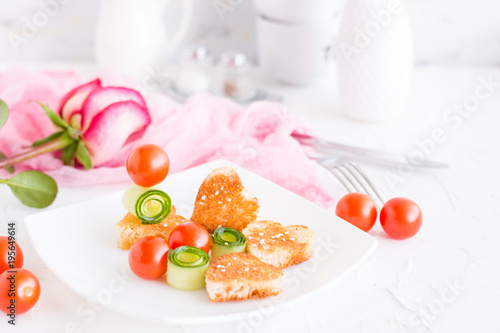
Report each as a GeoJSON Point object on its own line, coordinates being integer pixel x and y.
{"type": "Point", "coordinates": [375, 59]}
{"type": "Point", "coordinates": [132, 37]}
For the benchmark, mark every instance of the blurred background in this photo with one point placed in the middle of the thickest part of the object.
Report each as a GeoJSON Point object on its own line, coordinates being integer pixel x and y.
{"type": "Point", "coordinates": [449, 32]}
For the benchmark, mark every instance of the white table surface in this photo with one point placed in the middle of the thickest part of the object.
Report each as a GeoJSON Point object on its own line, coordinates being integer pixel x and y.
{"type": "Point", "coordinates": [405, 285]}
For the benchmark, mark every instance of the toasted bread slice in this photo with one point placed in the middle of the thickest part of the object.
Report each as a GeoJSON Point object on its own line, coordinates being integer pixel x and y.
{"type": "Point", "coordinates": [222, 201]}
{"type": "Point", "coordinates": [130, 229]}
{"type": "Point", "coordinates": [278, 245]}
{"type": "Point", "coordinates": [239, 276]}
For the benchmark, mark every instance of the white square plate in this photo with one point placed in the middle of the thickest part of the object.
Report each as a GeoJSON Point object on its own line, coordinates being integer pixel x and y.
{"type": "Point", "coordinates": [78, 243]}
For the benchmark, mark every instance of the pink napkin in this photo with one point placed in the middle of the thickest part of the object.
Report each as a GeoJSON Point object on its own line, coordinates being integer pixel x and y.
{"type": "Point", "coordinates": [256, 137]}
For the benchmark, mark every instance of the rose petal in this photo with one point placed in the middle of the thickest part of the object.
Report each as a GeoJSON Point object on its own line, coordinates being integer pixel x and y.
{"type": "Point", "coordinates": [101, 98]}
{"type": "Point", "coordinates": [111, 129]}
{"type": "Point", "coordinates": [73, 100]}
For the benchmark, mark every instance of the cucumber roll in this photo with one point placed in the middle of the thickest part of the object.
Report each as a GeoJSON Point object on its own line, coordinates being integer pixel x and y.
{"type": "Point", "coordinates": [186, 267]}
{"type": "Point", "coordinates": [227, 240]}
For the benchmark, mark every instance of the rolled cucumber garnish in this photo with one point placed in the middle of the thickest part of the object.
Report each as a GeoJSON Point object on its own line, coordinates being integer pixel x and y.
{"type": "Point", "coordinates": [186, 267]}
{"type": "Point", "coordinates": [150, 205]}
{"type": "Point", "coordinates": [227, 240]}
{"type": "Point", "coordinates": [153, 206]}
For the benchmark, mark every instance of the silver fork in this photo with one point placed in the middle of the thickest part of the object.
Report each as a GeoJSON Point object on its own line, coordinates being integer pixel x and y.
{"type": "Point", "coordinates": [354, 179]}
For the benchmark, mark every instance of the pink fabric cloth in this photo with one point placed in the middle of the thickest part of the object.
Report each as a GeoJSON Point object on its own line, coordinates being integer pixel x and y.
{"type": "Point", "coordinates": [256, 137]}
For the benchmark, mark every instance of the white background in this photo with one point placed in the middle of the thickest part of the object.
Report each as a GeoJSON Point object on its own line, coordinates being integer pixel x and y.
{"type": "Point", "coordinates": [445, 31]}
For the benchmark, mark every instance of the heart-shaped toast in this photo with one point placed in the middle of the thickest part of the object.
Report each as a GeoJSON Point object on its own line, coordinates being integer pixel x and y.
{"type": "Point", "coordinates": [222, 201]}
{"type": "Point", "coordinates": [239, 276]}
{"type": "Point", "coordinates": [278, 245]}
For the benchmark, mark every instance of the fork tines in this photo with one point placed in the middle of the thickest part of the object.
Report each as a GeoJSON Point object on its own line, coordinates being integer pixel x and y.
{"type": "Point", "coordinates": [355, 180]}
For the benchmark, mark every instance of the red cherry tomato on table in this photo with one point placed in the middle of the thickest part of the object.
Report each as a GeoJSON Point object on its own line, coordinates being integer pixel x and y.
{"type": "Point", "coordinates": [401, 218]}
{"type": "Point", "coordinates": [148, 165]}
{"type": "Point", "coordinates": [148, 257]}
{"type": "Point", "coordinates": [358, 209]}
{"type": "Point", "coordinates": [26, 291]}
{"type": "Point", "coordinates": [189, 233]}
{"type": "Point", "coordinates": [11, 255]}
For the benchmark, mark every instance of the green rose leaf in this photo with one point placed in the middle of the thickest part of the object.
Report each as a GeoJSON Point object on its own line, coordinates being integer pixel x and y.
{"type": "Point", "coordinates": [83, 155]}
{"type": "Point", "coordinates": [4, 113]}
{"type": "Point", "coordinates": [47, 139]}
{"type": "Point", "coordinates": [9, 169]}
{"type": "Point", "coordinates": [68, 153]}
{"type": "Point", "coordinates": [33, 188]}
{"type": "Point", "coordinates": [58, 121]}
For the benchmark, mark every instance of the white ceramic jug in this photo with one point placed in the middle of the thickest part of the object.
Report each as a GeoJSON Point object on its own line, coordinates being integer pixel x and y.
{"type": "Point", "coordinates": [132, 36]}
{"type": "Point", "coordinates": [295, 38]}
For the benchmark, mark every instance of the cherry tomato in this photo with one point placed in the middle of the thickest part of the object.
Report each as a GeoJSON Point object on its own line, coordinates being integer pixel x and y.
{"type": "Point", "coordinates": [11, 255]}
{"type": "Point", "coordinates": [401, 218]}
{"type": "Point", "coordinates": [19, 291]}
{"type": "Point", "coordinates": [358, 209]}
{"type": "Point", "coordinates": [189, 233]}
{"type": "Point", "coordinates": [148, 257]}
{"type": "Point", "coordinates": [148, 165]}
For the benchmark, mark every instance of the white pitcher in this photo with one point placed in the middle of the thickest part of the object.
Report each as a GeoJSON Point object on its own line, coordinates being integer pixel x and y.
{"type": "Point", "coordinates": [295, 38]}
{"type": "Point", "coordinates": [132, 36]}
